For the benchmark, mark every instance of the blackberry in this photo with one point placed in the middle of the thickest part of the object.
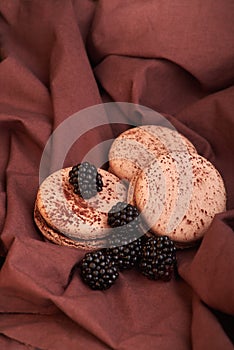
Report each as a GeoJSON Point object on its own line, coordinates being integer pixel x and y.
{"type": "Point", "coordinates": [98, 270]}
{"type": "Point", "coordinates": [126, 256]}
{"type": "Point", "coordinates": [86, 180]}
{"type": "Point", "coordinates": [122, 214]}
{"type": "Point", "coordinates": [158, 258]}
{"type": "Point", "coordinates": [125, 242]}
{"type": "Point", "coordinates": [124, 219]}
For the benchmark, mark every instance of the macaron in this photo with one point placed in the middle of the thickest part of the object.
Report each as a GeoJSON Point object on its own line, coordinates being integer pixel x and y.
{"type": "Point", "coordinates": [67, 219]}
{"type": "Point", "coordinates": [57, 237]}
{"type": "Point", "coordinates": [178, 195]}
{"type": "Point", "coordinates": [135, 148]}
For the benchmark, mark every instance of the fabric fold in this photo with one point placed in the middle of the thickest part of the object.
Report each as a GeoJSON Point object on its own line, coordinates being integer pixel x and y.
{"type": "Point", "coordinates": [210, 272]}
{"type": "Point", "coordinates": [202, 323]}
{"type": "Point", "coordinates": [61, 58]}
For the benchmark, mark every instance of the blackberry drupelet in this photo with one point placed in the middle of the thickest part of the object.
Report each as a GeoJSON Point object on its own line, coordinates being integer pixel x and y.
{"type": "Point", "coordinates": [98, 270]}
{"type": "Point", "coordinates": [86, 180]}
{"type": "Point", "coordinates": [125, 242]}
{"type": "Point", "coordinates": [158, 258]}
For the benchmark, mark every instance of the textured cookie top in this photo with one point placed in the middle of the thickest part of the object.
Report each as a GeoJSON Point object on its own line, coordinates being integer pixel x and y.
{"type": "Point", "coordinates": [58, 238]}
{"type": "Point", "coordinates": [179, 195]}
{"type": "Point", "coordinates": [135, 148]}
{"type": "Point", "coordinates": [73, 216]}
{"type": "Point", "coordinates": [172, 140]}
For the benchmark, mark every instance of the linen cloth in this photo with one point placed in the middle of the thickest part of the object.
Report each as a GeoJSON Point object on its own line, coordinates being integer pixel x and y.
{"type": "Point", "coordinates": [59, 57]}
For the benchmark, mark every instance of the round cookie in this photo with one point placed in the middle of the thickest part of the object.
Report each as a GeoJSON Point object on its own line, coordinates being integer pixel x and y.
{"type": "Point", "coordinates": [131, 189]}
{"type": "Point", "coordinates": [172, 140]}
{"type": "Point", "coordinates": [72, 216]}
{"type": "Point", "coordinates": [178, 195]}
{"type": "Point", "coordinates": [58, 238]}
{"type": "Point", "coordinates": [135, 148]}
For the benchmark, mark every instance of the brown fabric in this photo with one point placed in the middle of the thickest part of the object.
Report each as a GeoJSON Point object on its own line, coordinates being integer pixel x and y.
{"type": "Point", "coordinates": [173, 56]}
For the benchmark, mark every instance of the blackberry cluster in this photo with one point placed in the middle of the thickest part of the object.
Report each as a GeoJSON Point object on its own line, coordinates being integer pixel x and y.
{"type": "Point", "coordinates": [126, 242]}
{"type": "Point", "coordinates": [86, 180]}
{"type": "Point", "coordinates": [158, 258]}
{"type": "Point", "coordinates": [127, 247]}
{"type": "Point", "coordinates": [98, 270]}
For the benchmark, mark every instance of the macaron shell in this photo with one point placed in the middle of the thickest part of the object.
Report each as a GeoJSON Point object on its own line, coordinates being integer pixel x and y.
{"type": "Point", "coordinates": [135, 148]}
{"type": "Point", "coordinates": [57, 238]}
{"type": "Point", "coordinates": [155, 191]}
{"type": "Point", "coordinates": [171, 138]}
{"type": "Point", "coordinates": [73, 216]}
{"type": "Point", "coordinates": [131, 189]}
{"type": "Point", "coordinates": [132, 151]}
{"type": "Point", "coordinates": [207, 197]}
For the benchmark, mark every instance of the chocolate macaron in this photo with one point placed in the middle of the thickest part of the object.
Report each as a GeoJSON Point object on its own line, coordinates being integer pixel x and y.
{"type": "Point", "coordinates": [68, 219]}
